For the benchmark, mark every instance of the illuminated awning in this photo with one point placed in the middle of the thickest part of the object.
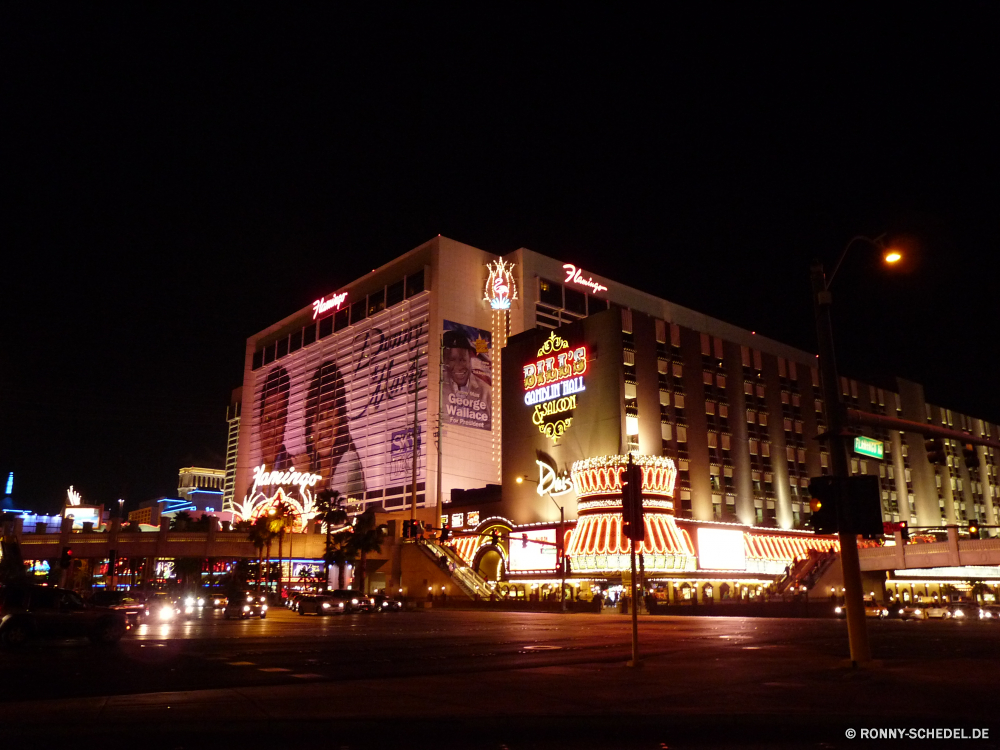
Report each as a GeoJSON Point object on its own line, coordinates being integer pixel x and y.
{"type": "Point", "coordinates": [597, 544]}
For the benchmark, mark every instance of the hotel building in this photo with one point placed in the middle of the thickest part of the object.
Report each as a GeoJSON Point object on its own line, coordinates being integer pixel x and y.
{"type": "Point", "coordinates": [423, 387]}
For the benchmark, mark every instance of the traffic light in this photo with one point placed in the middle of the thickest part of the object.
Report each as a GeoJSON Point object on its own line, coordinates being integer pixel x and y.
{"type": "Point", "coordinates": [904, 530]}
{"type": "Point", "coordinates": [824, 505]}
{"type": "Point", "coordinates": [633, 525]}
{"type": "Point", "coordinates": [445, 532]}
{"type": "Point", "coordinates": [66, 558]}
{"type": "Point", "coordinates": [935, 450]}
{"type": "Point", "coordinates": [864, 507]}
{"type": "Point", "coordinates": [406, 529]}
{"type": "Point", "coordinates": [495, 538]}
{"type": "Point", "coordinates": [973, 530]}
{"type": "Point", "coordinates": [971, 457]}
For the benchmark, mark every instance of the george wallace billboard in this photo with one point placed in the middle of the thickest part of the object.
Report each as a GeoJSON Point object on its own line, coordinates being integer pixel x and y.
{"type": "Point", "coordinates": [338, 414]}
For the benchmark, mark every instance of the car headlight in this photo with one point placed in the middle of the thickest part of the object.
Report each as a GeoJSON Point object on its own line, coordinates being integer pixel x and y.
{"type": "Point", "coordinates": [263, 607]}
{"type": "Point", "coordinates": [885, 613]}
{"type": "Point", "coordinates": [326, 605]}
{"type": "Point", "coordinates": [901, 612]}
{"type": "Point", "coordinates": [166, 613]}
{"type": "Point", "coordinates": [838, 610]}
{"type": "Point", "coordinates": [201, 602]}
{"type": "Point", "coordinates": [959, 613]}
{"type": "Point", "coordinates": [916, 611]}
{"type": "Point", "coordinates": [189, 601]}
{"type": "Point", "coordinates": [354, 601]}
{"type": "Point", "coordinates": [341, 605]}
{"type": "Point", "coordinates": [246, 607]}
{"type": "Point", "coordinates": [385, 604]}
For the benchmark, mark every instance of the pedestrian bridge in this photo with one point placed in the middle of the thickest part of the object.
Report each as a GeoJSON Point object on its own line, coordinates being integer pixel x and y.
{"type": "Point", "coordinates": [951, 553]}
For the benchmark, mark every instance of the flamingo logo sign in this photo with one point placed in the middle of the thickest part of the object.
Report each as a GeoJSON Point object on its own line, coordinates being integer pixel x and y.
{"type": "Point", "coordinates": [500, 287]}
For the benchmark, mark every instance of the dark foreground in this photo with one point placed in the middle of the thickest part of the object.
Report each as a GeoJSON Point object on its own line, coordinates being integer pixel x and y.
{"type": "Point", "coordinates": [453, 679]}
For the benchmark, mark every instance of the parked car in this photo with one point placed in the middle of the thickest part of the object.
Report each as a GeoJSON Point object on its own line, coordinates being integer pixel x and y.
{"type": "Point", "coordinates": [912, 613]}
{"type": "Point", "coordinates": [29, 611]}
{"type": "Point", "coordinates": [133, 605]}
{"type": "Point", "coordinates": [245, 604]}
{"type": "Point", "coordinates": [383, 603]}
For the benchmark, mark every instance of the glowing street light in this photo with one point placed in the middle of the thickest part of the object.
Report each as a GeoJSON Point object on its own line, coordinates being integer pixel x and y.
{"type": "Point", "coordinates": [892, 256]}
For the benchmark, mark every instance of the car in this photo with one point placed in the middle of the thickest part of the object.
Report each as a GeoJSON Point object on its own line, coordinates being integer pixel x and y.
{"type": "Point", "coordinates": [989, 612]}
{"type": "Point", "coordinates": [319, 604]}
{"type": "Point", "coordinates": [133, 605]}
{"type": "Point", "coordinates": [937, 611]}
{"type": "Point", "coordinates": [162, 607]}
{"type": "Point", "coordinates": [34, 611]}
{"type": "Point", "coordinates": [245, 604]}
{"type": "Point", "coordinates": [383, 603]}
{"type": "Point", "coordinates": [912, 613]}
{"type": "Point", "coordinates": [353, 601]}
{"type": "Point", "coordinates": [216, 601]}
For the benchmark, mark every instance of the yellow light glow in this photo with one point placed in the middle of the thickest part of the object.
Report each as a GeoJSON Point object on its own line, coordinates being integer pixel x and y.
{"type": "Point", "coordinates": [520, 480]}
{"type": "Point", "coordinates": [893, 256]}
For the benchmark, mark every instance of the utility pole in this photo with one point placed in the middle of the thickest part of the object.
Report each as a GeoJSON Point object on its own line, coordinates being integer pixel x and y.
{"type": "Point", "coordinates": [857, 627]}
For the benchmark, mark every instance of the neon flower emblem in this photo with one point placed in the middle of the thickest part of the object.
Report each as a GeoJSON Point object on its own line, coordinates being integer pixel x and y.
{"type": "Point", "coordinates": [500, 287]}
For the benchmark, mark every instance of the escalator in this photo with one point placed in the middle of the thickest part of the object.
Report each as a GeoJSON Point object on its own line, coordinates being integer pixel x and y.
{"type": "Point", "coordinates": [464, 577]}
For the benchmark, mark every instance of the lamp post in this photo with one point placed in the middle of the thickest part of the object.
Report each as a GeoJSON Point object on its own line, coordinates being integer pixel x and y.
{"type": "Point", "coordinates": [560, 544]}
{"type": "Point", "coordinates": [857, 629]}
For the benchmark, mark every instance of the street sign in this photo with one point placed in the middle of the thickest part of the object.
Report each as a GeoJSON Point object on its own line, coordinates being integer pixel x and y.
{"type": "Point", "coordinates": [866, 446]}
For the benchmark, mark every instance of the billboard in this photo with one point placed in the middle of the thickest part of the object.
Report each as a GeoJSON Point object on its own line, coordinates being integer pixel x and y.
{"type": "Point", "coordinates": [721, 549]}
{"type": "Point", "coordinates": [468, 376]}
{"type": "Point", "coordinates": [338, 414]}
{"type": "Point", "coordinates": [533, 550]}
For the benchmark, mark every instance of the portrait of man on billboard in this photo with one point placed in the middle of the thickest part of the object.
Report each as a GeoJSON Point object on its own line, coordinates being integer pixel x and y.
{"type": "Point", "coordinates": [466, 377]}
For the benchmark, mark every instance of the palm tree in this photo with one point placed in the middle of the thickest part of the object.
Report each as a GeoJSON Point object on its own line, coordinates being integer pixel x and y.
{"type": "Point", "coordinates": [260, 536]}
{"type": "Point", "coordinates": [367, 537]}
{"type": "Point", "coordinates": [279, 518]}
{"type": "Point", "coordinates": [330, 511]}
{"type": "Point", "coordinates": [181, 520]}
{"type": "Point", "coordinates": [341, 553]}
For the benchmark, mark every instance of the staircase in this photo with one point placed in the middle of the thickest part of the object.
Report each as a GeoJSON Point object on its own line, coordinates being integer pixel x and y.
{"type": "Point", "coordinates": [807, 572]}
{"type": "Point", "coordinates": [464, 577]}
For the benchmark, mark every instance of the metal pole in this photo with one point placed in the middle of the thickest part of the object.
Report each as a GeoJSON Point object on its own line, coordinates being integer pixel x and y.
{"type": "Point", "coordinates": [635, 614]}
{"type": "Point", "coordinates": [562, 546]}
{"type": "Point", "coordinates": [415, 435]}
{"type": "Point", "coordinates": [857, 628]}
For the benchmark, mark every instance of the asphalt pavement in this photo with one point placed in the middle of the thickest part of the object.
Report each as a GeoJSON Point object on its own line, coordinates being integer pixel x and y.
{"type": "Point", "coordinates": [473, 679]}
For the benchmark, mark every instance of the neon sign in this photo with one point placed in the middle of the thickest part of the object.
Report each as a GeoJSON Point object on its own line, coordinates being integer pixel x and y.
{"type": "Point", "coordinates": [264, 478]}
{"type": "Point", "coordinates": [574, 275]}
{"type": "Point", "coordinates": [73, 496]}
{"type": "Point", "coordinates": [323, 304]}
{"type": "Point", "coordinates": [552, 383]}
{"type": "Point", "coordinates": [500, 287]}
{"type": "Point", "coordinates": [551, 483]}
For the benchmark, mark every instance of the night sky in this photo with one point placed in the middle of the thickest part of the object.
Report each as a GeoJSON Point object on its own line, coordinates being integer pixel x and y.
{"type": "Point", "coordinates": [178, 180]}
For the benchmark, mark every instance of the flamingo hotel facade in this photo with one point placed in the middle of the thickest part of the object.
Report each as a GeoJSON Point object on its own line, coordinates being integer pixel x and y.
{"type": "Point", "coordinates": [501, 396]}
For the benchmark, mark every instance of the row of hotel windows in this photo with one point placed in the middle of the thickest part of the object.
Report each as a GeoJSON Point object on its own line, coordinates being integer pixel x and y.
{"type": "Point", "coordinates": [387, 297]}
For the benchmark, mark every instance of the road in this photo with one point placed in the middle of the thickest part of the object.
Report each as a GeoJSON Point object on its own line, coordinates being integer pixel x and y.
{"type": "Point", "coordinates": [523, 675]}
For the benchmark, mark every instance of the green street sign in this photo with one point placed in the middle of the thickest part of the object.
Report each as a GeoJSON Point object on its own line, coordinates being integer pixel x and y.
{"type": "Point", "coordinates": [866, 446]}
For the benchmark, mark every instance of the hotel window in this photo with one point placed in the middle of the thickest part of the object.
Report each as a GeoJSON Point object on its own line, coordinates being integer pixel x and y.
{"type": "Point", "coordinates": [664, 398]}
{"type": "Point", "coordinates": [765, 449]}
{"type": "Point", "coordinates": [706, 378]}
{"type": "Point", "coordinates": [710, 407]}
{"type": "Point", "coordinates": [717, 347]}
{"type": "Point", "coordinates": [550, 293]}
{"type": "Point", "coordinates": [785, 397]}
{"type": "Point", "coordinates": [281, 348]}
{"type": "Point", "coordinates": [376, 302]}
{"type": "Point", "coordinates": [705, 345]}
{"type": "Point", "coordinates": [751, 416]}
{"type": "Point", "coordinates": [824, 459]}
{"type": "Point", "coordinates": [748, 387]}
{"type": "Point", "coordinates": [724, 411]}
{"type": "Point", "coordinates": [756, 360]}
{"type": "Point", "coordinates": [576, 302]}
{"type": "Point", "coordinates": [753, 447]}
{"type": "Point", "coordinates": [798, 427]}
{"type": "Point", "coordinates": [791, 371]}
{"type": "Point", "coordinates": [682, 434]}
{"type": "Point", "coordinates": [415, 283]}
{"type": "Point", "coordinates": [762, 419]}
{"type": "Point", "coordinates": [796, 400]}
{"type": "Point", "coordinates": [745, 355]}
{"type": "Point", "coordinates": [309, 333]}
{"type": "Point", "coordinates": [395, 293]}
{"type": "Point", "coordinates": [802, 456]}
{"type": "Point", "coordinates": [726, 442]}
{"type": "Point", "coordinates": [815, 376]}
{"type": "Point", "coordinates": [760, 391]}
{"type": "Point", "coordinates": [713, 441]}
{"type": "Point", "coordinates": [341, 319]}
{"type": "Point", "coordinates": [782, 371]}
{"type": "Point", "coordinates": [720, 381]}
{"type": "Point", "coordinates": [678, 400]}
{"type": "Point", "coordinates": [790, 453]}
{"type": "Point", "coordinates": [678, 370]}
{"type": "Point", "coordinates": [326, 326]}
{"type": "Point", "coordinates": [666, 432]}
{"type": "Point", "coordinates": [787, 423]}
{"type": "Point", "coordinates": [358, 310]}
{"type": "Point", "coordinates": [675, 335]}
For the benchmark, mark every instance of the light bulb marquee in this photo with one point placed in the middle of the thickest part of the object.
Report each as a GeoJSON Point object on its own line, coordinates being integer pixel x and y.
{"type": "Point", "coordinates": [500, 287]}
{"type": "Point", "coordinates": [552, 383]}
{"type": "Point", "coordinates": [602, 476]}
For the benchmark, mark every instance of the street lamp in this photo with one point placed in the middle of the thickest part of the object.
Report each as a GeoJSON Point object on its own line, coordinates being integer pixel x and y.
{"type": "Point", "coordinates": [857, 631]}
{"type": "Point", "coordinates": [560, 543]}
